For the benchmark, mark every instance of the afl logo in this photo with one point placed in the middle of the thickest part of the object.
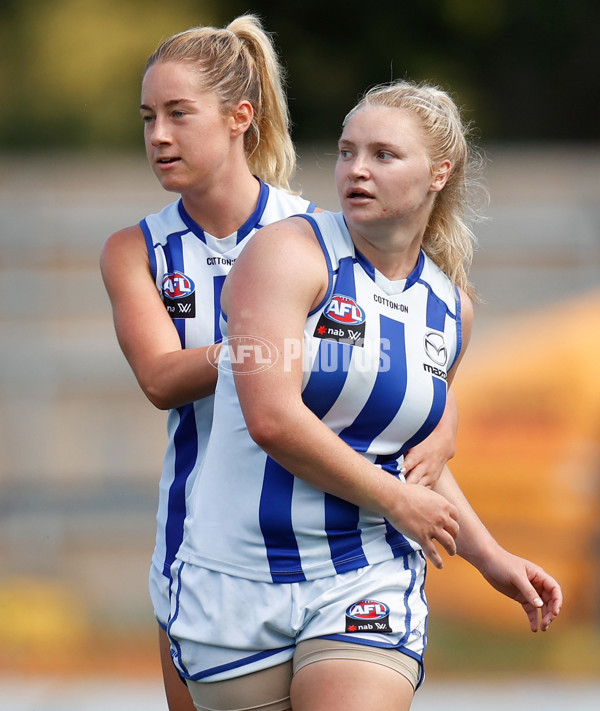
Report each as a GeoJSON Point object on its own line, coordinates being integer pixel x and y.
{"type": "Point", "coordinates": [435, 347]}
{"type": "Point", "coordinates": [368, 610]}
{"type": "Point", "coordinates": [177, 285]}
{"type": "Point", "coordinates": [343, 309]}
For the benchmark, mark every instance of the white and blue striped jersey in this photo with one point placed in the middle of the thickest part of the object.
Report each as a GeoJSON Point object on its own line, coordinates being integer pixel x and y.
{"type": "Point", "coordinates": [189, 267]}
{"type": "Point", "coordinates": [377, 354]}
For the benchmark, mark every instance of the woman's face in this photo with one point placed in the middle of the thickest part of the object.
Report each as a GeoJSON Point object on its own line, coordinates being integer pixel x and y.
{"type": "Point", "coordinates": [383, 171]}
{"type": "Point", "coordinates": [187, 135]}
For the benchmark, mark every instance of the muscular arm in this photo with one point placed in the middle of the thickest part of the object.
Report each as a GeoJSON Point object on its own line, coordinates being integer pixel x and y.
{"type": "Point", "coordinates": [279, 278]}
{"type": "Point", "coordinates": [168, 375]}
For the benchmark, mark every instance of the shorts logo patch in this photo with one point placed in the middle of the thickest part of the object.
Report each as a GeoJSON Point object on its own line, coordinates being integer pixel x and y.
{"type": "Point", "coordinates": [368, 616]}
{"type": "Point", "coordinates": [342, 320]}
{"type": "Point", "coordinates": [178, 295]}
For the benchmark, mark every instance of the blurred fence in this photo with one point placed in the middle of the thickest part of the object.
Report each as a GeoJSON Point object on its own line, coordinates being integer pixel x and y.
{"type": "Point", "coordinates": [81, 449]}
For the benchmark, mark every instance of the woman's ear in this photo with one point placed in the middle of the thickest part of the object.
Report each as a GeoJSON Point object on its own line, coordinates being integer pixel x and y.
{"type": "Point", "coordinates": [241, 117]}
{"type": "Point", "coordinates": [441, 173]}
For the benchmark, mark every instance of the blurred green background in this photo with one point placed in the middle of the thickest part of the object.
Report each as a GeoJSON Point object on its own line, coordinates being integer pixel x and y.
{"type": "Point", "coordinates": [526, 69]}
{"type": "Point", "coordinates": [80, 448]}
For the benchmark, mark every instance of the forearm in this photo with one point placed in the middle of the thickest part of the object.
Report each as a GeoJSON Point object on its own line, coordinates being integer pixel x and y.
{"type": "Point", "coordinates": [168, 375]}
{"type": "Point", "coordinates": [306, 447]}
{"type": "Point", "coordinates": [474, 542]}
{"type": "Point", "coordinates": [179, 377]}
{"type": "Point", "coordinates": [292, 435]}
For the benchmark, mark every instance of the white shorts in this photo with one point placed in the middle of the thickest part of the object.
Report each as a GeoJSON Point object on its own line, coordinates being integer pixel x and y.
{"type": "Point", "coordinates": [222, 627]}
{"type": "Point", "coordinates": [160, 595]}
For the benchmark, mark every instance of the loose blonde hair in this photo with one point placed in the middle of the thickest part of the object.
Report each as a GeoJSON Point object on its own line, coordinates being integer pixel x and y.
{"type": "Point", "coordinates": [448, 238]}
{"type": "Point", "coordinates": [239, 62]}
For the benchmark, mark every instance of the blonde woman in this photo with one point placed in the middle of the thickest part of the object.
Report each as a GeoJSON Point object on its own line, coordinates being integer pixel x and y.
{"type": "Point", "coordinates": [216, 129]}
{"type": "Point", "coordinates": [300, 580]}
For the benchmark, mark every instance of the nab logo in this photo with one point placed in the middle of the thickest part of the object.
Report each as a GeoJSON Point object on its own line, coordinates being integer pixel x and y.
{"type": "Point", "coordinates": [177, 285]}
{"type": "Point", "coordinates": [368, 610]}
{"type": "Point", "coordinates": [343, 309]}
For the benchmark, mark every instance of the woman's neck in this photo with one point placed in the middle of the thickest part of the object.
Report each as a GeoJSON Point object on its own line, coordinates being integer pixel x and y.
{"type": "Point", "coordinates": [224, 207]}
{"type": "Point", "coordinates": [394, 255]}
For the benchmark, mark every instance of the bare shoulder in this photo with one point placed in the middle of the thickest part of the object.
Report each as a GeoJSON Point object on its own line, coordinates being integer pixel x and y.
{"type": "Point", "coordinates": [291, 241]}
{"type": "Point", "coordinates": [284, 255]}
{"type": "Point", "coordinates": [124, 244]}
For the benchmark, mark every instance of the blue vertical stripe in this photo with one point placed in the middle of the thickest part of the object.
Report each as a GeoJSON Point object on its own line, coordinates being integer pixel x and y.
{"type": "Point", "coordinates": [459, 337]}
{"type": "Point", "coordinates": [185, 442]}
{"type": "Point", "coordinates": [175, 263]}
{"type": "Point", "coordinates": [185, 439]}
{"type": "Point", "coordinates": [218, 282]}
{"type": "Point", "coordinates": [435, 413]}
{"type": "Point", "coordinates": [388, 391]}
{"type": "Point", "coordinates": [407, 609]}
{"type": "Point", "coordinates": [327, 378]}
{"type": "Point", "coordinates": [343, 534]}
{"type": "Point", "coordinates": [396, 541]}
{"type": "Point", "coordinates": [275, 517]}
{"type": "Point", "coordinates": [175, 644]}
{"type": "Point", "coordinates": [436, 311]}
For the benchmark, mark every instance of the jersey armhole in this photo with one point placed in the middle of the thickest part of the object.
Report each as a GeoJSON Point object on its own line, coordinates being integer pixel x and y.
{"type": "Point", "coordinates": [321, 241]}
{"type": "Point", "coordinates": [149, 247]}
{"type": "Point", "coordinates": [459, 338]}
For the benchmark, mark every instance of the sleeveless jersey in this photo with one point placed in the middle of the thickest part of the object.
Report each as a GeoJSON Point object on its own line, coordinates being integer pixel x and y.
{"type": "Point", "coordinates": [189, 267]}
{"type": "Point", "coordinates": [376, 354]}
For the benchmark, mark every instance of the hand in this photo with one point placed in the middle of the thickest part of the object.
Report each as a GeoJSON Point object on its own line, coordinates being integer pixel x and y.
{"type": "Point", "coordinates": [425, 517]}
{"type": "Point", "coordinates": [538, 593]}
{"type": "Point", "coordinates": [424, 463]}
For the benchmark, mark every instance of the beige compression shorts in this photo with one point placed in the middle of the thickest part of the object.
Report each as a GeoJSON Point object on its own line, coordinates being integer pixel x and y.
{"type": "Point", "coordinates": [269, 689]}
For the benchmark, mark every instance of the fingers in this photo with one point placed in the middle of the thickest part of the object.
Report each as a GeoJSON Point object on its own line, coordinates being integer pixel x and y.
{"type": "Point", "coordinates": [429, 548]}
{"type": "Point", "coordinates": [425, 473]}
{"type": "Point", "coordinates": [429, 519]}
{"type": "Point", "coordinates": [432, 554]}
{"type": "Point", "coordinates": [420, 475]}
{"type": "Point", "coordinates": [552, 606]}
{"type": "Point", "coordinates": [544, 603]}
{"type": "Point", "coordinates": [446, 538]}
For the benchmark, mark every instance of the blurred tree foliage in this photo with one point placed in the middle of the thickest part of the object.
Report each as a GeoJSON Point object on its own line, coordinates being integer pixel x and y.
{"type": "Point", "coordinates": [70, 70]}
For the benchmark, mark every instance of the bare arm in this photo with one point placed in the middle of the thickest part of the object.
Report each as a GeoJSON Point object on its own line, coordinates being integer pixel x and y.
{"type": "Point", "coordinates": [527, 583]}
{"type": "Point", "coordinates": [169, 375]}
{"type": "Point", "coordinates": [279, 277]}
